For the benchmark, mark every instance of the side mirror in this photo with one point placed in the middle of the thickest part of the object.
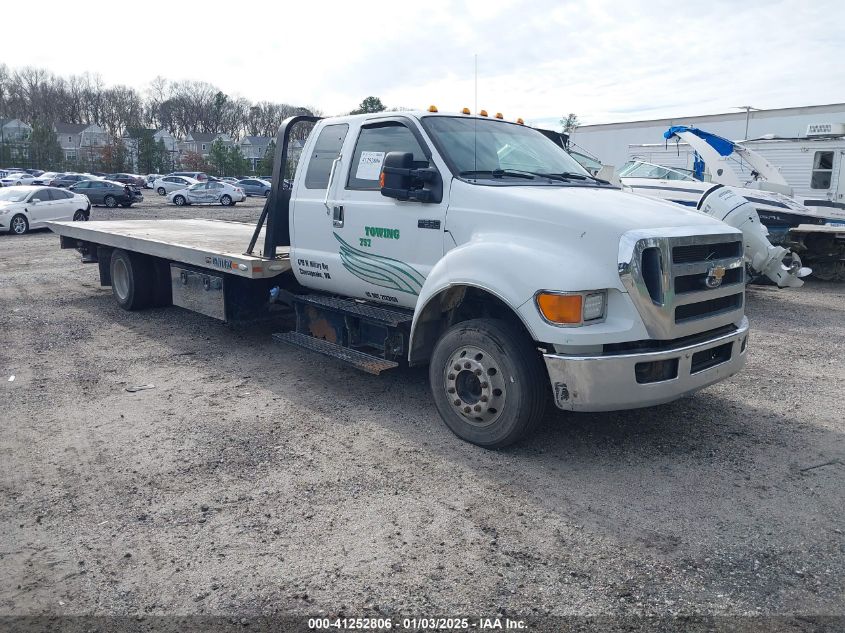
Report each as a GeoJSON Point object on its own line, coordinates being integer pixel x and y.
{"type": "Point", "coordinates": [35, 201]}
{"type": "Point", "coordinates": [400, 179]}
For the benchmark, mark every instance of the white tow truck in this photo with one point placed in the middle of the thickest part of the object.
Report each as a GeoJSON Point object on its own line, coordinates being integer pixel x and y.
{"type": "Point", "coordinates": [471, 244]}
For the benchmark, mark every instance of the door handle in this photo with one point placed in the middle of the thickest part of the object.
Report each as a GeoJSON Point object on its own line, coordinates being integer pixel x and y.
{"type": "Point", "coordinates": [337, 216]}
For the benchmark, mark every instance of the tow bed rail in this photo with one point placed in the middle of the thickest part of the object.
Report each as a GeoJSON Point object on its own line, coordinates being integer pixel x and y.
{"type": "Point", "coordinates": [211, 244]}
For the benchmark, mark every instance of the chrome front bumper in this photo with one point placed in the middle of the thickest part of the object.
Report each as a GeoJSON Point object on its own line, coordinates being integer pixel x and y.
{"type": "Point", "coordinates": [609, 383]}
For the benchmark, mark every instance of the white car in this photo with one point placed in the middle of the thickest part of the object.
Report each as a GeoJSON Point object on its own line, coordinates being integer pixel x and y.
{"type": "Point", "coordinates": [17, 179]}
{"type": "Point", "coordinates": [213, 192]}
{"type": "Point", "coordinates": [165, 184]}
{"type": "Point", "coordinates": [25, 207]}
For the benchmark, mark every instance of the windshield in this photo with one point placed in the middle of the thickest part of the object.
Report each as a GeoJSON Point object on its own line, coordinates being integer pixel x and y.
{"type": "Point", "coordinates": [640, 169]}
{"type": "Point", "coordinates": [474, 146]}
{"type": "Point", "coordinates": [13, 195]}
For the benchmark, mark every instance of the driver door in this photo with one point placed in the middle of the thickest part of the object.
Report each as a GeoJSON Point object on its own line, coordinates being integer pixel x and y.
{"type": "Point", "coordinates": [198, 193]}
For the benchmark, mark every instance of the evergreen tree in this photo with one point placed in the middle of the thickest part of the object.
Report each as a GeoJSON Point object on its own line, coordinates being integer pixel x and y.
{"type": "Point", "coordinates": [44, 148]}
{"type": "Point", "coordinates": [265, 165]}
{"type": "Point", "coordinates": [218, 157]}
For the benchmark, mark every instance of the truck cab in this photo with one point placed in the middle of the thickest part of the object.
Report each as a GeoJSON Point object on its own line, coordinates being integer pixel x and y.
{"type": "Point", "coordinates": [468, 220]}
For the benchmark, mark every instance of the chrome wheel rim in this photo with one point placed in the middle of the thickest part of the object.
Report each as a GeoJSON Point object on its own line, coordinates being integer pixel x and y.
{"type": "Point", "coordinates": [475, 386]}
{"type": "Point", "coordinates": [179, 200]}
{"type": "Point", "coordinates": [160, 191]}
{"type": "Point", "coordinates": [111, 202]}
{"type": "Point", "coordinates": [226, 200]}
{"type": "Point", "coordinates": [18, 225]}
{"type": "Point", "coordinates": [120, 279]}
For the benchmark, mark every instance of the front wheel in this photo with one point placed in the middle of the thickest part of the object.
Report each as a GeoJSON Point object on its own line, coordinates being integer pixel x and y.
{"type": "Point", "coordinates": [111, 202]}
{"type": "Point", "coordinates": [160, 191]}
{"type": "Point", "coordinates": [226, 201]}
{"type": "Point", "coordinates": [488, 382]}
{"type": "Point", "coordinates": [80, 216]}
{"type": "Point", "coordinates": [267, 194]}
{"type": "Point", "coordinates": [19, 225]}
{"type": "Point", "coordinates": [179, 201]}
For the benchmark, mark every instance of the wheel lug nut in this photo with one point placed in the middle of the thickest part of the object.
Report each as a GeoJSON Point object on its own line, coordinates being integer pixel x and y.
{"type": "Point", "coordinates": [467, 409]}
{"type": "Point", "coordinates": [478, 407]}
{"type": "Point", "coordinates": [484, 385]}
{"type": "Point", "coordinates": [451, 376]}
{"type": "Point", "coordinates": [467, 365]}
{"type": "Point", "coordinates": [457, 403]}
{"type": "Point", "coordinates": [483, 398]}
{"type": "Point", "coordinates": [451, 390]}
{"type": "Point", "coordinates": [457, 366]}
{"type": "Point", "coordinates": [477, 372]}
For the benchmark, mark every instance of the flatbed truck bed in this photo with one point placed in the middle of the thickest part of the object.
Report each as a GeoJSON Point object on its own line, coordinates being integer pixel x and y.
{"type": "Point", "coordinates": [211, 244]}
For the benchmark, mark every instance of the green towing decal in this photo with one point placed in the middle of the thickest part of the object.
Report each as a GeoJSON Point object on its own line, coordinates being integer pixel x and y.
{"type": "Point", "coordinates": [379, 270]}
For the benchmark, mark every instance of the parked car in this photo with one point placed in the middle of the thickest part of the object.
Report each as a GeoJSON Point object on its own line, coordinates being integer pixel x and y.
{"type": "Point", "coordinates": [34, 172]}
{"type": "Point", "coordinates": [19, 178]}
{"type": "Point", "coordinates": [166, 184]}
{"type": "Point", "coordinates": [199, 176]}
{"type": "Point", "coordinates": [255, 187]}
{"type": "Point", "coordinates": [127, 179]}
{"type": "Point", "coordinates": [230, 179]}
{"type": "Point", "coordinates": [48, 176]}
{"type": "Point", "coordinates": [109, 193]}
{"type": "Point", "coordinates": [26, 207]}
{"type": "Point", "coordinates": [67, 180]}
{"type": "Point", "coordinates": [151, 178]}
{"type": "Point", "coordinates": [208, 193]}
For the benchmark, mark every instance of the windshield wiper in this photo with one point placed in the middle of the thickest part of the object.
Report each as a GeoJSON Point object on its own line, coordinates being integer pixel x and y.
{"type": "Point", "coordinates": [571, 175]}
{"type": "Point", "coordinates": [499, 173]}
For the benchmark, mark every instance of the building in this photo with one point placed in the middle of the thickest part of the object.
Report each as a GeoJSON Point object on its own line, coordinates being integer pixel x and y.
{"type": "Point", "coordinates": [14, 140]}
{"type": "Point", "coordinates": [132, 140]}
{"type": "Point", "coordinates": [81, 141]}
{"type": "Point", "coordinates": [254, 148]}
{"type": "Point", "coordinates": [201, 142]}
{"type": "Point", "coordinates": [609, 142]}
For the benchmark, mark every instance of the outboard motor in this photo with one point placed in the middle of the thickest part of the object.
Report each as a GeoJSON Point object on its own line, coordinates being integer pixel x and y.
{"type": "Point", "coordinates": [729, 205]}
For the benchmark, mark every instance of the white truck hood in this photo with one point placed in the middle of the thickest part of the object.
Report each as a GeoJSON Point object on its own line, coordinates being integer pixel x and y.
{"type": "Point", "coordinates": [576, 208]}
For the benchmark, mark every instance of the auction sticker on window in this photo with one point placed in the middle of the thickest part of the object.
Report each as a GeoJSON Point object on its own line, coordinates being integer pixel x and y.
{"type": "Point", "coordinates": [369, 166]}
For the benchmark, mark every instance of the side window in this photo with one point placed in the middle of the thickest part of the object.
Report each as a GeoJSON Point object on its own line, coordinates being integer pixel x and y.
{"type": "Point", "coordinates": [61, 192]}
{"type": "Point", "coordinates": [373, 144]}
{"type": "Point", "coordinates": [215, 185]}
{"type": "Point", "coordinates": [326, 150]}
{"type": "Point", "coordinates": [822, 170]}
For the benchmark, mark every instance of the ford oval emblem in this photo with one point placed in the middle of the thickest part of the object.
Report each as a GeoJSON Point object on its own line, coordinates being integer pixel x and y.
{"type": "Point", "coordinates": [715, 276]}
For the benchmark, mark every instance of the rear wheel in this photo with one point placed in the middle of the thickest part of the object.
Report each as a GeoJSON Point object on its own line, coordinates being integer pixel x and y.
{"type": "Point", "coordinates": [80, 216]}
{"type": "Point", "coordinates": [488, 382]}
{"type": "Point", "coordinates": [19, 225]}
{"type": "Point", "coordinates": [160, 191]}
{"type": "Point", "coordinates": [179, 201]}
{"type": "Point", "coordinates": [267, 194]}
{"type": "Point", "coordinates": [226, 200]}
{"type": "Point", "coordinates": [110, 201]}
{"type": "Point", "coordinates": [132, 279]}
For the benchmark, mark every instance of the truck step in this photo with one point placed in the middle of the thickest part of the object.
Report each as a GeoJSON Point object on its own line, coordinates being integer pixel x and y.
{"type": "Point", "coordinates": [392, 317]}
{"type": "Point", "coordinates": [365, 362]}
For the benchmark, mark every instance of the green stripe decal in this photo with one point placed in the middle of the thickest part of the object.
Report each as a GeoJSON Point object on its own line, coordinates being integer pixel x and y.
{"type": "Point", "coordinates": [378, 270]}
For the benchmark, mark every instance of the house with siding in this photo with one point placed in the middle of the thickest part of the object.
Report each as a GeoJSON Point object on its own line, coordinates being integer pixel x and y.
{"type": "Point", "coordinates": [201, 142]}
{"type": "Point", "coordinates": [14, 139]}
{"type": "Point", "coordinates": [81, 141]}
{"type": "Point", "coordinates": [254, 148]}
{"type": "Point", "coordinates": [133, 136]}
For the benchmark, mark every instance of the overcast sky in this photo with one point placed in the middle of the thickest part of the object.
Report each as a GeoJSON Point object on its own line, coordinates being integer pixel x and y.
{"type": "Point", "coordinates": [605, 61]}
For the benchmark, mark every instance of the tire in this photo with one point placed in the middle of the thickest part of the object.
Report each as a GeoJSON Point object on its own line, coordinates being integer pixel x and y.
{"type": "Point", "coordinates": [110, 201]}
{"type": "Point", "coordinates": [19, 225]}
{"type": "Point", "coordinates": [132, 279]}
{"type": "Point", "coordinates": [488, 382]}
{"type": "Point", "coordinates": [161, 191]}
{"type": "Point", "coordinates": [267, 194]}
{"type": "Point", "coordinates": [226, 200]}
{"type": "Point", "coordinates": [179, 201]}
{"type": "Point", "coordinates": [80, 216]}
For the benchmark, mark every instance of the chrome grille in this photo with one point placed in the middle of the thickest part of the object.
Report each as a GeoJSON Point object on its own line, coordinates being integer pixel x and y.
{"type": "Point", "coordinates": [667, 278]}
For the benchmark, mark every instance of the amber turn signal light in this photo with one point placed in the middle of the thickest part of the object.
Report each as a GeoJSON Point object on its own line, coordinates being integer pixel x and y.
{"type": "Point", "coordinates": [560, 308]}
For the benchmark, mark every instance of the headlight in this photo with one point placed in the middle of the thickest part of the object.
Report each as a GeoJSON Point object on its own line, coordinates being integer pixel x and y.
{"type": "Point", "coordinates": [572, 308]}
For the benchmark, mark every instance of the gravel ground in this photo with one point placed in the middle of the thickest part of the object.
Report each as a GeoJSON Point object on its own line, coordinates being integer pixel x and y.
{"type": "Point", "coordinates": [254, 479]}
